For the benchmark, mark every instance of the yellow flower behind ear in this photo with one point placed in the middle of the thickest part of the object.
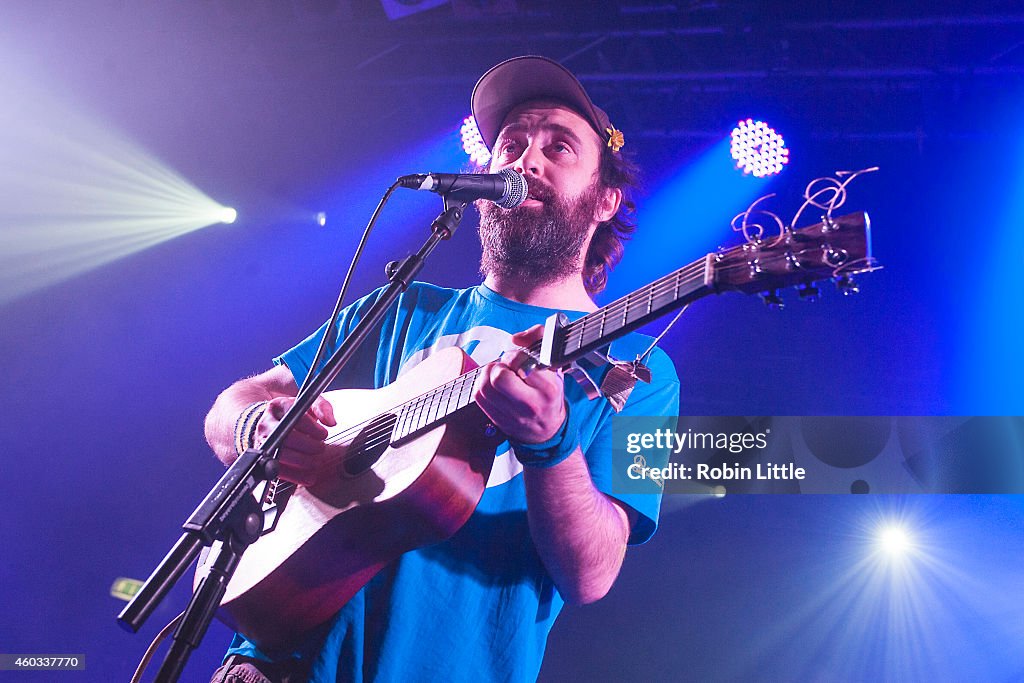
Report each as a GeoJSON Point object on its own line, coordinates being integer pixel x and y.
{"type": "Point", "coordinates": [615, 139]}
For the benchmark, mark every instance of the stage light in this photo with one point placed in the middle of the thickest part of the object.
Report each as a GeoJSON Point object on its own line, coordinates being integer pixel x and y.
{"type": "Point", "coordinates": [894, 541]}
{"type": "Point", "coordinates": [227, 215]}
{"type": "Point", "coordinates": [321, 219]}
{"type": "Point", "coordinates": [757, 149]}
{"type": "Point", "coordinates": [473, 143]}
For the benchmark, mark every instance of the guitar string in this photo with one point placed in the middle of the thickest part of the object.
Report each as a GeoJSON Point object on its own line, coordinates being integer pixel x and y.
{"type": "Point", "coordinates": [684, 276]}
{"type": "Point", "coordinates": [381, 434]}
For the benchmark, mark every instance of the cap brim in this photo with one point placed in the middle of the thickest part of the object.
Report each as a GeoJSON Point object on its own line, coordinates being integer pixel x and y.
{"type": "Point", "coordinates": [522, 79]}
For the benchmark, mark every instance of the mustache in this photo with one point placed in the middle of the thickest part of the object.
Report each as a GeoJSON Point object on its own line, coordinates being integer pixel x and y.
{"type": "Point", "coordinates": [540, 190]}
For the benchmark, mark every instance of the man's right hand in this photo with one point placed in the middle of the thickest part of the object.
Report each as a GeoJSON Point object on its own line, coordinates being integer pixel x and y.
{"type": "Point", "coordinates": [301, 453]}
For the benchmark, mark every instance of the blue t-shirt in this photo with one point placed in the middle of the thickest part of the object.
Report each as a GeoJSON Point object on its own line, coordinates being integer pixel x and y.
{"type": "Point", "coordinates": [479, 606]}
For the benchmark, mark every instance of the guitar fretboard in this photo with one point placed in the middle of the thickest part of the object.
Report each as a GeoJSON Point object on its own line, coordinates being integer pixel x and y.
{"type": "Point", "coordinates": [428, 409]}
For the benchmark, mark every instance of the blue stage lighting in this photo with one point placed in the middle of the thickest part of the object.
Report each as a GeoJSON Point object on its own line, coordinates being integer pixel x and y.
{"type": "Point", "coordinates": [473, 143]}
{"type": "Point", "coordinates": [321, 219]}
{"type": "Point", "coordinates": [894, 541]}
{"type": "Point", "coordinates": [757, 149]}
{"type": "Point", "coordinates": [679, 223]}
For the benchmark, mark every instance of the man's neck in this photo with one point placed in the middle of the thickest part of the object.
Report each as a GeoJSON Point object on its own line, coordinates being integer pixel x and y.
{"type": "Point", "coordinates": [568, 294]}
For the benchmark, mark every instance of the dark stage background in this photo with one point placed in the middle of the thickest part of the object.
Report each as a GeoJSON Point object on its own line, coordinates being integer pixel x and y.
{"type": "Point", "coordinates": [289, 108]}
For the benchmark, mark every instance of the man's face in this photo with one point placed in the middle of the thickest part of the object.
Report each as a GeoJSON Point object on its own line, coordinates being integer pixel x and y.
{"type": "Point", "coordinates": [559, 153]}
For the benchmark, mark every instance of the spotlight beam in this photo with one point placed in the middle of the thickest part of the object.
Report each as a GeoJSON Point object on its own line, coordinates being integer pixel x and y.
{"type": "Point", "coordinates": [75, 195]}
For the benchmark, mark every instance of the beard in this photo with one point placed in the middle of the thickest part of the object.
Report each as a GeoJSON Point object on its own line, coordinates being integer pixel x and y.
{"type": "Point", "coordinates": [537, 244]}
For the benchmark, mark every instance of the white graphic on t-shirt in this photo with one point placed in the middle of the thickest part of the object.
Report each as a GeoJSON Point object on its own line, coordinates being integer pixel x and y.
{"type": "Point", "coordinates": [490, 343]}
{"type": "Point", "coordinates": [483, 344]}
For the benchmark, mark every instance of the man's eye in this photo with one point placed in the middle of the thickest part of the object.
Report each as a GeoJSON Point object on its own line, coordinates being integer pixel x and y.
{"type": "Point", "coordinates": [562, 148]}
{"type": "Point", "coordinates": [509, 148]}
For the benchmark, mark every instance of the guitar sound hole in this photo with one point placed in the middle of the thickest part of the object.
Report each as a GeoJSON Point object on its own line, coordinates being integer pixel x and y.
{"type": "Point", "coordinates": [369, 445]}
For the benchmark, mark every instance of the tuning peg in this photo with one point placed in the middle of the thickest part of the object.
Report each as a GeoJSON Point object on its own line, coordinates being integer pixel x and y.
{"type": "Point", "coordinates": [847, 286]}
{"type": "Point", "coordinates": [835, 257]}
{"type": "Point", "coordinates": [808, 292]}
{"type": "Point", "coordinates": [772, 299]}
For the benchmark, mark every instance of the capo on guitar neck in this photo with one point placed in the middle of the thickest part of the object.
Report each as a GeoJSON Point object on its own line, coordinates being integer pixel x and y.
{"type": "Point", "coordinates": [616, 384]}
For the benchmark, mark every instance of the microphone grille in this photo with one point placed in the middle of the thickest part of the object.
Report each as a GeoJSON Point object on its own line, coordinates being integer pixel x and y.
{"type": "Point", "coordinates": [515, 189]}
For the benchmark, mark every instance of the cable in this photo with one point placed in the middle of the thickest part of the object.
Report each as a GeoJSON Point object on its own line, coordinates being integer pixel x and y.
{"type": "Point", "coordinates": [151, 650]}
{"type": "Point", "coordinates": [328, 337]}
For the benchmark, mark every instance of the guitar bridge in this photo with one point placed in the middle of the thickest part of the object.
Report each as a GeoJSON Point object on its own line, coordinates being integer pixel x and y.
{"type": "Point", "coordinates": [271, 492]}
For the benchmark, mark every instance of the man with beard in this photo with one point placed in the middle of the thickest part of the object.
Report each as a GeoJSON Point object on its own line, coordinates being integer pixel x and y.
{"type": "Point", "coordinates": [548, 529]}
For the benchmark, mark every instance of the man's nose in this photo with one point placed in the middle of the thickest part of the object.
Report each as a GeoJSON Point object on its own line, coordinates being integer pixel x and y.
{"type": "Point", "coordinates": [531, 162]}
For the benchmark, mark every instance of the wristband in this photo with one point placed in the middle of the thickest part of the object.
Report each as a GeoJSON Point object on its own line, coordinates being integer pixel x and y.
{"type": "Point", "coordinates": [553, 451]}
{"type": "Point", "coordinates": [245, 425]}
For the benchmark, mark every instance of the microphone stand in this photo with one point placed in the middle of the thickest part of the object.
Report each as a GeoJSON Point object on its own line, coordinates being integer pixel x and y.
{"type": "Point", "coordinates": [230, 512]}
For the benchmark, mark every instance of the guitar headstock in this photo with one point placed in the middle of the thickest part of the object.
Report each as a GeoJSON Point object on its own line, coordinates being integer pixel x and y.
{"type": "Point", "coordinates": [833, 249]}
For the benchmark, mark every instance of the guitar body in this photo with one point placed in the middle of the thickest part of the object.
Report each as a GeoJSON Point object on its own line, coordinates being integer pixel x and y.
{"type": "Point", "coordinates": [374, 503]}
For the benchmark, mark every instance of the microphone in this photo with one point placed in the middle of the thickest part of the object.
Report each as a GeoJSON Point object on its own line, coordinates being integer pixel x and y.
{"type": "Point", "coordinates": [506, 189]}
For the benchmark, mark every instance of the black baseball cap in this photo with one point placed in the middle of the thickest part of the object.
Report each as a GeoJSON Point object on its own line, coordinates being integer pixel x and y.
{"type": "Point", "coordinates": [521, 79]}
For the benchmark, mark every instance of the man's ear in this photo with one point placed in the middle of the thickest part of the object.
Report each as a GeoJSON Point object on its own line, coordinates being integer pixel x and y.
{"type": "Point", "coordinates": [609, 205]}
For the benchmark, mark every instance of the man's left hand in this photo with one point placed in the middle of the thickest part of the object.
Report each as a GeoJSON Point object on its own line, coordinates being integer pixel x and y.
{"type": "Point", "coordinates": [528, 405]}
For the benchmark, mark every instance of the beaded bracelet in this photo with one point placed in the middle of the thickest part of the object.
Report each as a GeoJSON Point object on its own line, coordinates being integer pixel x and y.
{"type": "Point", "coordinates": [245, 425]}
{"type": "Point", "coordinates": [240, 428]}
{"type": "Point", "coordinates": [553, 451]}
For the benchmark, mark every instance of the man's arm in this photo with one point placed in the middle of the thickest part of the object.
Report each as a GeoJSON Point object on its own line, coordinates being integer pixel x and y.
{"type": "Point", "coordinates": [277, 386]}
{"type": "Point", "coordinates": [579, 532]}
